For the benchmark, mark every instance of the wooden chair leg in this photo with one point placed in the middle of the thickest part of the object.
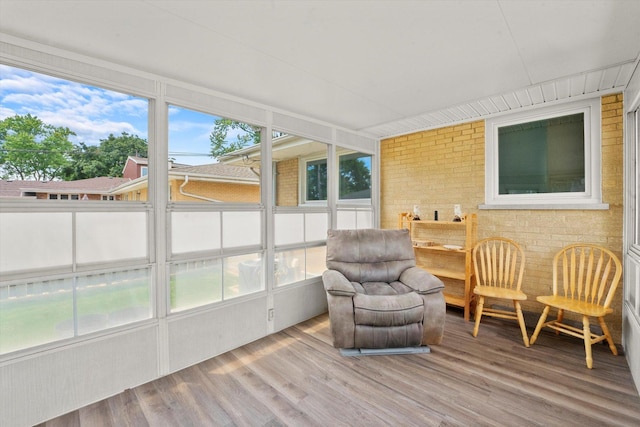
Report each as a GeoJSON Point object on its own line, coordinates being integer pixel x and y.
{"type": "Point", "coordinates": [543, 317]}
{"type": "Point", "coordinates": [607, 334]}
{"type": "Point", "coordinates": [523, 326]}
{"type": "Point", "coordinates": [479, 308]}
{"type": "Point", "coordinates": [586, 332]}
{"type": "Point", "coordinates": [559, 319]}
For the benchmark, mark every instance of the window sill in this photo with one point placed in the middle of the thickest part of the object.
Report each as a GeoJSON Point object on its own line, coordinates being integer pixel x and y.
{"type": "Point", "coordinates": [546, 206]}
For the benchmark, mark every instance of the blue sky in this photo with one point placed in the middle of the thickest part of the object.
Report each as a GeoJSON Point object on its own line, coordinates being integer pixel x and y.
{"type": "Point", "coordinates": [94, 113]}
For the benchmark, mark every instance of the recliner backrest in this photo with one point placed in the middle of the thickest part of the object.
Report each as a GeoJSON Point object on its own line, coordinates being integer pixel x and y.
{"type": "Point", "coordinates": [370, 255]}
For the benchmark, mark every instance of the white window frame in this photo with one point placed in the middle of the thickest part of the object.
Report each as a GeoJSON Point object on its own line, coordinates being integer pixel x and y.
{"type": "Point", "coordinates": [303, 181]}
{"type": "Point", "coordinates": [591, 198]}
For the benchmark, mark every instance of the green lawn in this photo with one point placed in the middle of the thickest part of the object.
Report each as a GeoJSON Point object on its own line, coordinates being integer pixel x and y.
{"type": "Point", "coordinates": [46, 315]}
{"type": "Point", "coordinates": [37, 319]}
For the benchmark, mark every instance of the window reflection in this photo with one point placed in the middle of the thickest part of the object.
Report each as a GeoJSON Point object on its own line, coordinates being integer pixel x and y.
{"type": "Point", "coordinates": [355, 176]}
{"type": "Point", "coordinates": [316, 180]}
{"type": "Point", "coordinates": [289, 266]}
{"type": "Point", "coordinates": [243, 274]}
{"type": "Point", "coordinates": [542, 156]}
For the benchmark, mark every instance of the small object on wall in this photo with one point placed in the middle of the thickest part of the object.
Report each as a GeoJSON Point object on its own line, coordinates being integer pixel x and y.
{"type": "Point", "coordinates": [457, 213]}
{"type": "Point", "coordinates": [435, 215]}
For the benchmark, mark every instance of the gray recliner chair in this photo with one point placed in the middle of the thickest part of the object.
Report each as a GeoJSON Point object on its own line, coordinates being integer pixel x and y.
{"type": "Point", "coordinates": [377, 297]}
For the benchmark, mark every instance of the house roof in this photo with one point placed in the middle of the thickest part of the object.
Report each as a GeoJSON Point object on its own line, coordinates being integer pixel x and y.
{"type": "Point", "coordinates": [101, 185]}
{"type": "Point", "coordinates": [138, 160]}
{"type": "Point", "coordinates": [218, 170]}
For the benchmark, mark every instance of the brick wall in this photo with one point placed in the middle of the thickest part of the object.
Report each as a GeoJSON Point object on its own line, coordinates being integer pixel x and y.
{"type": "Point", "coordinates": [225, 192]}
{"type": "Point", "coordinates": [287, 183]}
{"type": "Point", "coordinates": [438, 168]}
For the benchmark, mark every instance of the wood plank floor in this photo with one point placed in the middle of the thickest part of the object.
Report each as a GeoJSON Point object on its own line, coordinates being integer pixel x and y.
{"type": "Point", "coordinates": [296, 378]}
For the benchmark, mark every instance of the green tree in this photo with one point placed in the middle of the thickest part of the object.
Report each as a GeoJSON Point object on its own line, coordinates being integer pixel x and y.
{"type": "Point", "coordinates": [106, 159]}
{"type": "Point", "coordinates": [31, 149]}
{"type": "Point", "coordinates": [355, 176]}
{"type": "Point", "coordinates": [220, 146]}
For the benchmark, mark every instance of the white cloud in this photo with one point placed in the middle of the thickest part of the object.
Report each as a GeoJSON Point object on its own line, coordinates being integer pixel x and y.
{"type": "Point", "coordinates": [92, 113]}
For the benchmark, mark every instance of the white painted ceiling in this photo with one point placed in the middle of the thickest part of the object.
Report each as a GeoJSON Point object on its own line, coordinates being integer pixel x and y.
{"type": "Point", "coordinates": [381, 67]}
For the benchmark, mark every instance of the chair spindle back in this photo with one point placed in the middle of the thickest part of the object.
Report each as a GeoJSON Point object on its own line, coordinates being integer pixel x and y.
{"type": "Point", "coordinates": [587, 273]}
{"type": "Point", "coordinates": [499, 262]}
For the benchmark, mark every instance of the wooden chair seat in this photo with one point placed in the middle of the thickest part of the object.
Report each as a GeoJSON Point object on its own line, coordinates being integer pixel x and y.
{"type": "Point", "coordinates": [580, 307]}
{"type": "Point", "coordinates": [585, 279]}
{"type": "Point", "coordinates": [499, 266]}
{"type": "Point", "coordinates": [503, 293]}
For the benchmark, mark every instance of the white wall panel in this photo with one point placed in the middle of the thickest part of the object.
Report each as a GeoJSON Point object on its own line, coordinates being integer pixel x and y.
{"type": "Point", "coordinates": [195, 231]}
{"type": "Point", "coordinates": [110, 236]}
{"type": "Point", "coordinates": [202, 335]}
{"type": "Point", "coordinates": [296, 304]}
{"type": "Point", "coordinates": [36, 389]}
{"type": "Point", "coordinates": [35, 240]}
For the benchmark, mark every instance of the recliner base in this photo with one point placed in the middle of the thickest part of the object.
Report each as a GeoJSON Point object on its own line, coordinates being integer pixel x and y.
{"type": "Point", "coordinates": [384, 351]}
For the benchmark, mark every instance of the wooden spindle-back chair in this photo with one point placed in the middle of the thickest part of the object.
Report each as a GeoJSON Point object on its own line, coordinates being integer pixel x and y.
{"type": "Point", "coordinates": [499, 267]}
{"type": "Point", "coordinates": [585, 279]}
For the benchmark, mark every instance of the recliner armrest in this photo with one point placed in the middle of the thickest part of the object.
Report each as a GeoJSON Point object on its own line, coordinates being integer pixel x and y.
{"type": "Point", "coordinates": [421, 280]}
{"type": "Point", "coordinates": [337, 284]}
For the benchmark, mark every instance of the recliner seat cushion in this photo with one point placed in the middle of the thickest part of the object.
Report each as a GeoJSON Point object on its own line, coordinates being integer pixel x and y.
{"type": "Point", "coordinates": [382, 288]}
{"type": "Point", "coordinates": [379, 310]}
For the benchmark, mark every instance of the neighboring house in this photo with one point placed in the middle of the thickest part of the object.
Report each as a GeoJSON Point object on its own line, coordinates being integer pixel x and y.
{"type": "Point", "coordinates": [215, 182]}
{"type": "Point", "coordinates": [83, 189]}
{"type": "Point", "coordinates": [135, 167]}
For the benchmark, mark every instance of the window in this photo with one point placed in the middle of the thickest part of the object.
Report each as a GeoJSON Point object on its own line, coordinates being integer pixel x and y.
{"type": "Point", "coordinates": [46, 310]}
{"type": "Point", "coordinates": [316, 180]}
{"type": "Point", "coordinates": [636, 207]}
{"type": "Point", "coordinates": [547, 158]}
{"type": "Point", "coordinates": [199, 171]}
{"type": "Point", "coordinates": [632, 282]}
{"type": "Point", "coordinates": [200, 274]}
{"type": "Point", "coordinates": [88, 134]}
{"type": "Point", "coordinates": [300, 248]}
{"type": "Point", "coordinates": [57, 196]}
{"type": "Point", "coordinates": [79, 270]}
